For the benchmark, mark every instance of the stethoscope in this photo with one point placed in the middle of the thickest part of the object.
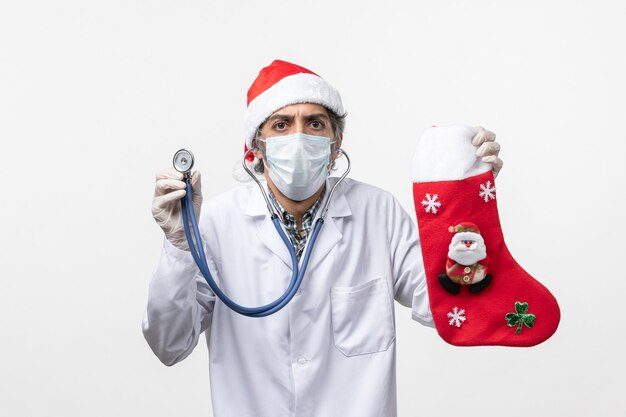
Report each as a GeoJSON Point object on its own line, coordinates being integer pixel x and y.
{"type": "Point", "coordinates": [183, 163]}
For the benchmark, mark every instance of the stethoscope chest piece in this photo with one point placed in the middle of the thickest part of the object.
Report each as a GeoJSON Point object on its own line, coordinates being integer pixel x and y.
{"type": "Point", "coordinates": [183, 161]}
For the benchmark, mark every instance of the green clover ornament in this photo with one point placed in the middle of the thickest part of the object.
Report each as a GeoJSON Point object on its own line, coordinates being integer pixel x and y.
{"type": "Point", "coordinates": [520, 317]}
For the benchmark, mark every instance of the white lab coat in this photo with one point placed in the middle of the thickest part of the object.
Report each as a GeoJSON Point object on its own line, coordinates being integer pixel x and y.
{"type": "Point", "coordinates": [331, 350]}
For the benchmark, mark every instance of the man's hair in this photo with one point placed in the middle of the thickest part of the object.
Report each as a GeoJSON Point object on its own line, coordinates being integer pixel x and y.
{"type": "Point", "coordinates": [337, 122]}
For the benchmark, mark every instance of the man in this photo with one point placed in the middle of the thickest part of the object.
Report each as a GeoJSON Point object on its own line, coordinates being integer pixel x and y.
{"type": "Point", "coordinates": [331, 350]}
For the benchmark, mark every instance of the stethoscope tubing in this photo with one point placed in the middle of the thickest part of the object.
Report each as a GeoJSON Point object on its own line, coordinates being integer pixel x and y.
{"type": "Point", "coordinates": [197, 251]}
{"type": "Point", "coordinates": [200, 259]}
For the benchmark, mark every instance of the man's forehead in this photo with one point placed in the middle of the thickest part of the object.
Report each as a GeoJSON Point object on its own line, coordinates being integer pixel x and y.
{"type": "Point", "coordinates": [303, 109]}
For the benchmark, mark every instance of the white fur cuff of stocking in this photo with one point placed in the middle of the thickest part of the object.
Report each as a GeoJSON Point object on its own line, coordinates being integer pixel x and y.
{"type": "Point", "coordinates": [446, 153]}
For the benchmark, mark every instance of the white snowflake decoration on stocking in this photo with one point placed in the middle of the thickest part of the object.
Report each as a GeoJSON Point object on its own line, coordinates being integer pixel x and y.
{"type": "Point", "coordinates": [456, 316]}
{"type": "Point", "coordinates": [487, 192]}
{"type": "Point", "coordinates": [431, 203]}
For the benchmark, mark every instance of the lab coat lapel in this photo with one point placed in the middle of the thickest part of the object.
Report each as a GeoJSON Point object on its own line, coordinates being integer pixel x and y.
{"type": "Point", "coordinates": [269, 236]}
{"type": "Point", "coordinates": [329, 234]}
{"type": "Point", "coordinates": [266, 233]}
{"type": "Point", "coordinates": [328, 237]}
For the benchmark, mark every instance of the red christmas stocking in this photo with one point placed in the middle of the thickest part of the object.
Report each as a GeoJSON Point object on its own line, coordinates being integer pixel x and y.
{"type": "Point", "coordinates": [478, 294]}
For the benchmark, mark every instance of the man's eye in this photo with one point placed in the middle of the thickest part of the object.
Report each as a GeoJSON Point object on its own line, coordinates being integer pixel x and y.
{"type": "Point", "coordinates": [280, 125]}
{"type": "Point", "coordinates": [316, 124]}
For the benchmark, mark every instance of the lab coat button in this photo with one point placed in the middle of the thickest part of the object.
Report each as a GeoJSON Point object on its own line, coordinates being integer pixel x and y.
{"type": "Point", "coordinates": [302, 361]}
{"type": "Point", "coordinates": [299, 291]}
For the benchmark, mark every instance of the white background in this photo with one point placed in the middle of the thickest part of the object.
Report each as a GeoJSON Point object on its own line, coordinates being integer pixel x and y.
{"type": "Point", "coordinates": [95, 96]}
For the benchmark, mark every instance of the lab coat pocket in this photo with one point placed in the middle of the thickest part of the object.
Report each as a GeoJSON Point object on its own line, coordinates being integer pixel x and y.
{"type": "Point", "coordinates": [362, 318]}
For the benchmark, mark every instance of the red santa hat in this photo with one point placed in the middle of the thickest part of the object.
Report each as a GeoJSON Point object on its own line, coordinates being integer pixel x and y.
{"type": "Point", "coordinates": [278, 85]}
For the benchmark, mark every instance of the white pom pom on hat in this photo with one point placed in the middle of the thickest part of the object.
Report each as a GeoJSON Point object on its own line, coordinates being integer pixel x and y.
{"type": "Point", "coordinates": [278, 85]}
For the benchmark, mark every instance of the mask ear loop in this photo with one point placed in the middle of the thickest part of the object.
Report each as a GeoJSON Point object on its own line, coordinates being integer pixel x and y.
{"type": "Point", "coordinates": [338, 152]}
{"type": "Point", "coordinates": [270, 207]}
{"type": "Point", "coordinates": [332, 191]}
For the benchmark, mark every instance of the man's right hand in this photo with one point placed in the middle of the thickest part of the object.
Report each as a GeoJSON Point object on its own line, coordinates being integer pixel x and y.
{"type": "Point", "coordinates": [166, 208]}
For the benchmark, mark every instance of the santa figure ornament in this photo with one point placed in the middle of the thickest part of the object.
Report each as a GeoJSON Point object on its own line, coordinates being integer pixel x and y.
{"type": "Point", "coordinates": [479, 295]}
{"type": "Point", "coordinates": [467, 260]}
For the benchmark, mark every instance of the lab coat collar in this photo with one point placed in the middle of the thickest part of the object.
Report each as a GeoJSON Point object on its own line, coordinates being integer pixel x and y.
{"type": "Point", "coordinates": [329, 234]}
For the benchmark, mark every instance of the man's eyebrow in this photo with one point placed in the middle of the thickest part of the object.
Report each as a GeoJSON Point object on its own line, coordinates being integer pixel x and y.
{"type": "Point", "coordinates": [317, 116]}
{"type": "Point", "coordinates": [280, 117]}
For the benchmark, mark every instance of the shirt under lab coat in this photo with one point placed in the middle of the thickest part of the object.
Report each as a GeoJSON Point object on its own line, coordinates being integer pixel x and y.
{"type": "Point", "coordinates": [331, 351]}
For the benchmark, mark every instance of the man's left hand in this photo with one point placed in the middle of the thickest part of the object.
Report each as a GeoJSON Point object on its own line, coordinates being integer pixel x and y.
{"type": "Point", "coordinates": [488, 148]}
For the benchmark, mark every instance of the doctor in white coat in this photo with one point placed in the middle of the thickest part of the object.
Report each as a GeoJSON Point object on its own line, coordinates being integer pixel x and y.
{"type": "Point", "coordinates": [331, 351]}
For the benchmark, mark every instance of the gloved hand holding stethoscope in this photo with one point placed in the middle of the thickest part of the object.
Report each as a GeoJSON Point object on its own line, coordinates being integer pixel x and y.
{"type": "Point", "coordinates": [166, 208]}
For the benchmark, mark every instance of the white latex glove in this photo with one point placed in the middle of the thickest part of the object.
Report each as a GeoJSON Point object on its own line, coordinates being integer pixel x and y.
{"type": "Point", "coordinates": [488, 149]}
{"type": "Point", "coordinates": [166, 209]}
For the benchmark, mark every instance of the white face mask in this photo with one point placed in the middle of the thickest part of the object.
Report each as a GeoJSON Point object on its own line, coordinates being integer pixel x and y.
{"type": "Point", "coordinates": [298, 163]}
